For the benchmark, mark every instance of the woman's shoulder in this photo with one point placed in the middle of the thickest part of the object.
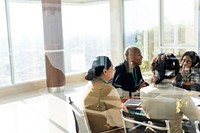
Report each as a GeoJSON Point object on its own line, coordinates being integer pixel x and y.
{"type": "Point", "coordinates": [108, 87]}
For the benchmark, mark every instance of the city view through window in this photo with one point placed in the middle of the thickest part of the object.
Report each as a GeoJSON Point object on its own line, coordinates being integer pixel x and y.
{"type": "Point", "coordinates": [86, 34]}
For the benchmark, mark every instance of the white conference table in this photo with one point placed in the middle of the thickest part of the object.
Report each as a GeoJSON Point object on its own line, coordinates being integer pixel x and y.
{"type": "Point", "coordinates": [40, 114]}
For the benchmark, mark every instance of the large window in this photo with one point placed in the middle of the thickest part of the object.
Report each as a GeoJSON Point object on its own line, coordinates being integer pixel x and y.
{"type": "Point", "coordinates": [5, 73]}
{"type": "Point", "coordinates": [27, 40]}
{"type": "Point", "coordinates": [24, 52]}
{"type": "Point", "coordinates": [86, 30]}
{"type": "Point", "coordinates": [152, 25]}
{"type": "Point", "coordinates": [179, 26]}
{"type": "Point", "coordinates": [141, 27]}
{"type": "Point", "coordinates": [161, 26]}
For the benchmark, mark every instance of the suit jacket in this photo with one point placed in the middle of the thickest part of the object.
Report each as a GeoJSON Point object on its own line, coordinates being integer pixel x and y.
{"type": "Point", "coordinates": [165, 101]}
{"type": "Point", "coordinates": [102, 105]}
{"type": "Point", "coordinates": [125, 80]}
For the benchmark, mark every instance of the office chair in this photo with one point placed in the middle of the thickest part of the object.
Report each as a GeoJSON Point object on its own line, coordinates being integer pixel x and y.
{"type": "Point", "coordinates": [189, 127]}
{"type": "Point", "coordinates": [81, 120]}
{"type": "Point", "coordinates": [196, 123]}
{"type": "Point", "coordinates": [139, 120]}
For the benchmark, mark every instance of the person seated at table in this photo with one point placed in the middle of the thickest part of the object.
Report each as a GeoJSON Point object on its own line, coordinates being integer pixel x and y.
{"type": "Point", "coordinates": [102, 101]}
{"type": "Point", "coordinates": [162, 100]}
{"type": "Point", "coordinates": [128, 75]}
{"type": "Point", "coordinates": [188, 76]}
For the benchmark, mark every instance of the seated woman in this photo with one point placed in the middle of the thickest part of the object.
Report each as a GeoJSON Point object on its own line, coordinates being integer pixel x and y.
{"type": "Point", "coordinates": [188, 76]}
{"type": "Point", "coordinates": [162, 100]}
{"type": "Point", "coordinates": [102, 102]}
{"type": "Point", "coordinates": [128, 75]}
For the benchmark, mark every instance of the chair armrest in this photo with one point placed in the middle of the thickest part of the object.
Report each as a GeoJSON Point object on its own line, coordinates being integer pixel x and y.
{"type": "Point", "coordinates": [196, 123]}
{"type": "Point", "coordinates": [142, 120]}
{"type": "Point", "coordinates": [75, 108]}
{"type": "Point", "coordinates": [141, 117]}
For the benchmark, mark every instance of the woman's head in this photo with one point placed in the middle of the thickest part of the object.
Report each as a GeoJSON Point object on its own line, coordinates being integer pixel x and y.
{"type": "Point", "coordinates": [189, 59]}
{"type": "Point", "coordinates": [133, 55]}
{"type": "Point", "coordinates": [164, 66]}
{"type": "Point", "coordinates": [101, 65]}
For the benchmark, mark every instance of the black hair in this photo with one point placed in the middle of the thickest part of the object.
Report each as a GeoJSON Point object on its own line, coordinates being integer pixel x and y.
{"type": "Point", "coordinates": [164, 66]}
{"type": "Point", "coordinates": [100, 63]}
{"type": "Point", "coordinates": [193, 55]}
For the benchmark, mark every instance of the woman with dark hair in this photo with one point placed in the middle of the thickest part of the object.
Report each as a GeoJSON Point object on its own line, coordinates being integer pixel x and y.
{"type": "Point", "coordinates": [188, 76]}
{"type": "Point", "coordinates": [162, 100]}
{"type": "Point", "coordinates": [128, 75]}
{"type": "Point", "coordinates": [102, 102]}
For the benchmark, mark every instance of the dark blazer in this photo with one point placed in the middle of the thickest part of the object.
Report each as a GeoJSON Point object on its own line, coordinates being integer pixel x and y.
{"type": "Point", "coordinates": [125, 80]}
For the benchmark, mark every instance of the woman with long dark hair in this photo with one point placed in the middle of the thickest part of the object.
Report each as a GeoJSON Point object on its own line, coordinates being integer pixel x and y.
{"type": "Point", "coordinates": [102, 102]}
{"type": "Point", "coordinates": [188, 77]}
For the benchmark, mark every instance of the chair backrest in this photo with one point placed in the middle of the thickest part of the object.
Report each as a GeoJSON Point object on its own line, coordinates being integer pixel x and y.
{"type": "Point", "coordinates": [81, 121]}
{"type": "Point", "coordinates": [140, 120]}
{"type": "Point", "coordinates": [190, 127]}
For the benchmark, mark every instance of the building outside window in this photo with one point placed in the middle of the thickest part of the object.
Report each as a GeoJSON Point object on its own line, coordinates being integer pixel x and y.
{"type": "Point", "coordinates": [23, 53]}
{"type": "Point", "coordinates": [152, 25]}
